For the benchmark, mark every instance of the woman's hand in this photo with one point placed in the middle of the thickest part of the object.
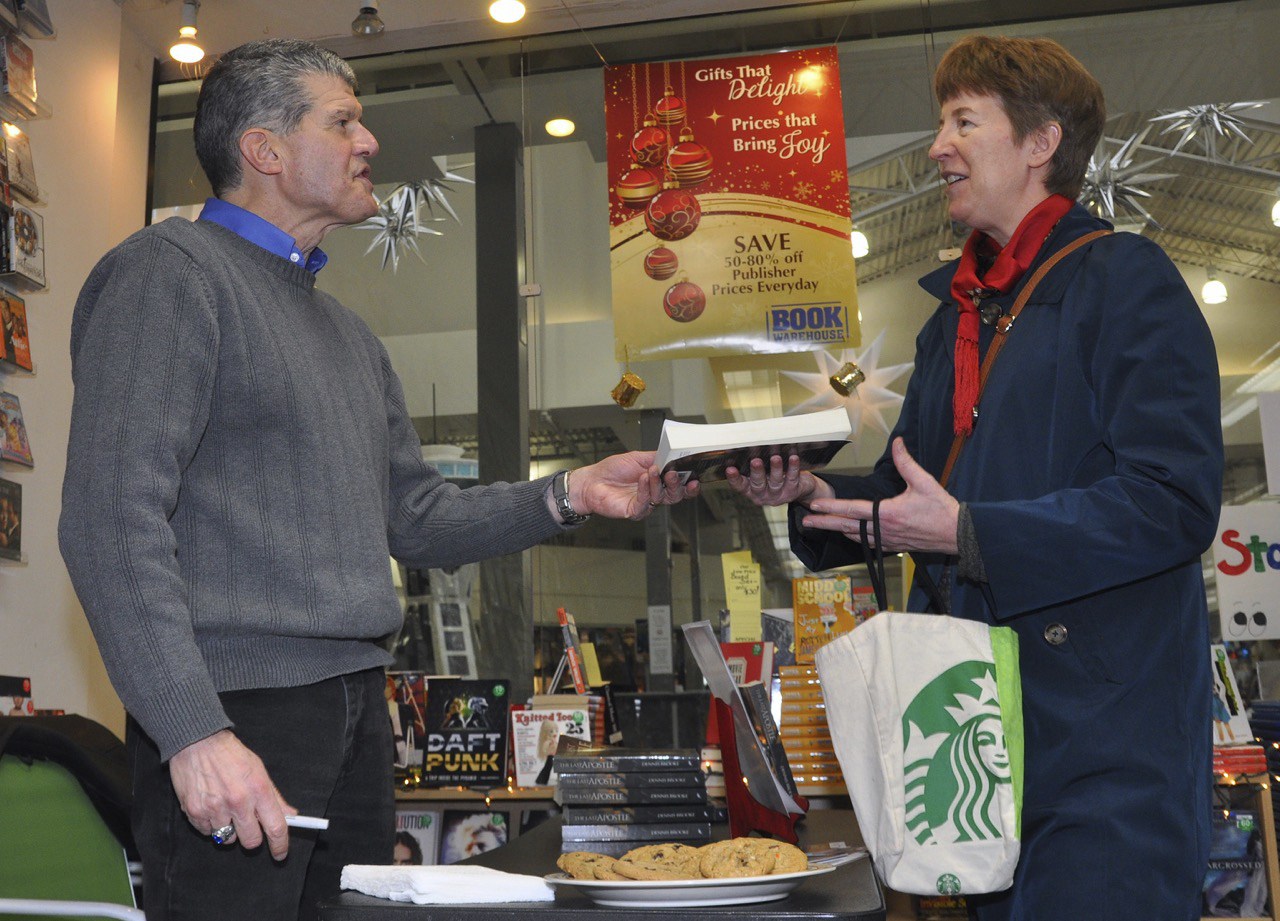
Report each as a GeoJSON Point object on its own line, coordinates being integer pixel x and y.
{"type": "Point", "coordinates": [776, 484]}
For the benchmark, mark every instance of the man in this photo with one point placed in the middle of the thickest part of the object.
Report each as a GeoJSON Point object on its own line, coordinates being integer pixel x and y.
{"type": "Point", "coordinates": [241, 463]}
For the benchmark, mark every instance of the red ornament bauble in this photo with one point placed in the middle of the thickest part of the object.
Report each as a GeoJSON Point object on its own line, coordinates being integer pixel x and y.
{"type": "Point", "coordinates": [670, 109]}
{"type": "Point", "coordinates": [649, 144]}
{"type": "Point", "coordinates": [637, 186]}
{"type": "Point", "coordinates": [684, 301]}
{"type": "Point", "coordinates": [660, 263]}
{"type": "Point", "coordinates": [672, 214]}
{"type": "Point", "coordinates": [689, 161]}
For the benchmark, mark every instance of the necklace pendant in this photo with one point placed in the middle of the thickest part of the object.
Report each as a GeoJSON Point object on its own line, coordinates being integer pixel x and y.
{"type": "Point", "coordinates": [991, 313]}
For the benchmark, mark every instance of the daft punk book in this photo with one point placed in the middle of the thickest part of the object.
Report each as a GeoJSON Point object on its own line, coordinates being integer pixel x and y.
{"type": "Point", "coordinates": [467, 728]}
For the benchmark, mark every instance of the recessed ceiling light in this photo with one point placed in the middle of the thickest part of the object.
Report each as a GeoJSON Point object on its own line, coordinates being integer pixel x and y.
{"type": "Point", "coordinates": [507, 11]}
{"type": "Point", "coordinates": [560, 127]}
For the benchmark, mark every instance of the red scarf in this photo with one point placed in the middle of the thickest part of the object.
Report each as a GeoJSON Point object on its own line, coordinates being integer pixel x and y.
{"type": "Point", "coordinates": [968, 287]}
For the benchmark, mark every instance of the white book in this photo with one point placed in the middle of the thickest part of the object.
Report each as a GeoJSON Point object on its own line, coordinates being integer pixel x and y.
{"type": "Point", "coordinates": [703, 452]}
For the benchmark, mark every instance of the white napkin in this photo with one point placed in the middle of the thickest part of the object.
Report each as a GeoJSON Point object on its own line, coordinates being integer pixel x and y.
{"type": "Point", "coordinates": [445, 885]}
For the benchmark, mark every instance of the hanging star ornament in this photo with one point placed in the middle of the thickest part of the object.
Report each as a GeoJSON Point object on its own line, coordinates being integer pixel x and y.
{"type": "Point", "coordinates": [1117, 180]}
{"type": "Point", "coordinates": [404, 213]}
{"type": "Point", "coordinates": [870, 397]}
{"type": "Point", "coordinates": [1210, 122]}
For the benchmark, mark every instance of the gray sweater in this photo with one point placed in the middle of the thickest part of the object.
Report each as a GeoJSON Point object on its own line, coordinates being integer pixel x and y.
{"type": "Point", "coordinates": [241, 464]}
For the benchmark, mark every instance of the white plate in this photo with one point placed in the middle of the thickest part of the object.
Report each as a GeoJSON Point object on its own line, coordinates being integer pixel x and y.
{"type": "Point", "coordinates": [686, 893]}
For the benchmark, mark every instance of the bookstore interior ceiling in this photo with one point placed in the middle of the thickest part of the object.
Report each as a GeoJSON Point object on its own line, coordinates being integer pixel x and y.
{"type": "Point", "coordinates": [1199, 176]}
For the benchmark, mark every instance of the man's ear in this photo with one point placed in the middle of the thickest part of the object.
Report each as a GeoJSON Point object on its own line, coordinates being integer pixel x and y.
{"type": "Point", "coordinates": [1044, 143]}
{"type": "Point", "coordinates": [258, 148]}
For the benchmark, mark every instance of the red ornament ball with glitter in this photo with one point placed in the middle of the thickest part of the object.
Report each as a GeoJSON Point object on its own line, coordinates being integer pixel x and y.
{"type": "Point", "coordinates": [670, 109]}
{"type": "Point", "coordinates": [689, 161]}
{"type": "Point", "coordinates": [672, 214]}
{"type": "Point", "coordinates": [660, 263]}
{"type": "Point", "coordinates": [649, 144]}
{"type": "Point", "coordinates": [684, 301]}
{"type": "Point", "coordinates": [637, 186]}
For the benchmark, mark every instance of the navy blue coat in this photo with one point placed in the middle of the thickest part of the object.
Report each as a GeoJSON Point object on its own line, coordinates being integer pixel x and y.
{"type": "Point", "coordinates": [1094, 480]}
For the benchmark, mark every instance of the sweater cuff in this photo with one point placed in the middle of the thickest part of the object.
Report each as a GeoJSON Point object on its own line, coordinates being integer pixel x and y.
{"type": "Point", "coordinates": [970, 564]}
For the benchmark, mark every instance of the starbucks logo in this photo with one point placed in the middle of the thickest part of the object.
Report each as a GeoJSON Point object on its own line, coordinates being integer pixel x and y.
{"type": "Point", "coordinates": [948, 884]}
{"type": "Point", "coordinates": [955, 758]}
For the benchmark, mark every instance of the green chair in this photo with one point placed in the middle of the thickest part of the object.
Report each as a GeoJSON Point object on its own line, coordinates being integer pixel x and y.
{"type": "Point", "coordinates": [58, 858]}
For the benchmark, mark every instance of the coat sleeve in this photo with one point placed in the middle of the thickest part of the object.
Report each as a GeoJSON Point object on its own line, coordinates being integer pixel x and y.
{"type": "Point", "coordinates": [1151, 368]}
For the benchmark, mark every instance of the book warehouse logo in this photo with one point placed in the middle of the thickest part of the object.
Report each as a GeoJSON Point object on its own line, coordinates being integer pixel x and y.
{"type": "Point", "coordinates": [824, 322]}
{"type": "Point", "coordinates": [954, 757]}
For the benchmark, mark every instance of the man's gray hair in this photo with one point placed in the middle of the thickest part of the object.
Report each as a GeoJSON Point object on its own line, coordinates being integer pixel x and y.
{"type": "Point", "coordinates": [257, 85]}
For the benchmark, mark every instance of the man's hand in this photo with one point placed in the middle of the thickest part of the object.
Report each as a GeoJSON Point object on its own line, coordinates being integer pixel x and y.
{"type": "Point", "coordinates": [625, 486]}
{"type": "Point", "coordinates": [221, 782]}
{"type": "Point", "coordinates": [922, 517]}
{"type": "Point", "coordinates": [777, 485]}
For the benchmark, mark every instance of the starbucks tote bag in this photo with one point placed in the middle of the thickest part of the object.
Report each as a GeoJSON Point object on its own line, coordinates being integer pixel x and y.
{"type": "Point", "coordinates": [926, 716]}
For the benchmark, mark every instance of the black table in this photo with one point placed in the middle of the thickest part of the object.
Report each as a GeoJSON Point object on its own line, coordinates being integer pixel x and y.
{"type": "Point", "coordinates": [849, 893]}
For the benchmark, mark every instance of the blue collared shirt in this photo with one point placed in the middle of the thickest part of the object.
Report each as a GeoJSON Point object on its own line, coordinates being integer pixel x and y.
{"type": "Point", "coordinates": [261, 232]}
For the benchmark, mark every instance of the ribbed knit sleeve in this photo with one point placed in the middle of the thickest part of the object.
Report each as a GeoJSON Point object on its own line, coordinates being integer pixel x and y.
{"type": "Point", "coordinates": [145, 345]}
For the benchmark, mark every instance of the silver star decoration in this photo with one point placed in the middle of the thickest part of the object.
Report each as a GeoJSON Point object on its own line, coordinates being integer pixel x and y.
{"type": "Point", "coordinates": [404, 213]}
{"type": "Point", "coordinates": [872, 395]}
{"type": "Point", "coordinates": [1117, 180]}
{"type": "Point", "coordinates": [1211, 121]}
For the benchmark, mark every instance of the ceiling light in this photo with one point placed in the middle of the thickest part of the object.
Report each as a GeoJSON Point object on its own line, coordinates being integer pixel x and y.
{"type": "Point", "coordinates": [1214, 291]}
{"type": "Point", "coordinates": [185, 50]}
{"type": "Point", "coordinates": [560, 127]}
{"type": "Point", "coordinates": [506, 10]}
{"type": "Point", "coordinates": [367, 21]}
{"type": "Point", "coordinates": [1275, 213]}
{"type": "Point", "coordinates": [861, 246]}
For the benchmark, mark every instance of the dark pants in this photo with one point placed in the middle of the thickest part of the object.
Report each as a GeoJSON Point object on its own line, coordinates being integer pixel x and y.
{"type": "Point", "coordinates": [328, 748]}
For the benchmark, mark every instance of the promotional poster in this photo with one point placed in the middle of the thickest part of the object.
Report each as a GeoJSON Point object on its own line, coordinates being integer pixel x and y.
{"type": "Point", "coordinates": [1246, 555]}
{"type": "Point", "coordinates": [729, 207]}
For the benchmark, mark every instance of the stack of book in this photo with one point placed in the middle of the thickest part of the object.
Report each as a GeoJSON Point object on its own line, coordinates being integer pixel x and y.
{"type": "Point", "coordinates": [1233, 760]}
{"type": "Point", "coordinates": [806, 737]}
{"type": "Point", "coordinates": [630, 795]}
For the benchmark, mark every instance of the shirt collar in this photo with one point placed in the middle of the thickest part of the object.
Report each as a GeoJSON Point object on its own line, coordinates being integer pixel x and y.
{"type": "Point", "coordinates": [261, 232]}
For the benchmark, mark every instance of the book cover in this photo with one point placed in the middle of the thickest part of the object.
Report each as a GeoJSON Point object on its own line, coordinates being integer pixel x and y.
{"type": "Point", "coordinates": [777, 626]}
{"type": "Point", "coordinates": [685, 831]}
{"type": "Point", "coordinates": [467, 833]}
{"type": "Point", "coordinates": [823, 610]}
{"type": "Point", "coordinates": [1235, 884]}
{"type": "Point", "coordinates": [703, 452]}
{"type": "Point", "coordinates": [15, 694]}
{"type": "Point", "coordinates": [417, 837]}
{"type": "Point", "coordinates": [756, 696]}
{"type": "Point", "coordinates": [643, 815]}
{"type": "Point", "coordinates": [646, 796]}
{"type": "Point", "coordinates": [1230, 722]}
{"type": "Point", "coordinates": [747, 662]}
{"type": "Point", "coordinates": [10, 520]}
{"type": "Point", "coordinates": [572, 651]}
{"type": "Point", "coordinates": [18, 72]}
{"type": "Point", "coordinates": [535, 734]}
{"type": "Point", "coordinates": [467, 732]}
{"type": "Point", "coordinates": [406, 694]}
{"type": "Point", "coordinates": [17, 344]}
{"type": "Point", "coordinates": [612, 726]}
{"type": "Point", "coordinates": [21, 164]}
{"type": "Point", "coordinates": [632, 780]}
{"type": "Point", "coordinates": [606, 758]}
{"type": "Point", "coordinates": [26, 247]}
{"type": "Point", "coordinates": [14, 444]}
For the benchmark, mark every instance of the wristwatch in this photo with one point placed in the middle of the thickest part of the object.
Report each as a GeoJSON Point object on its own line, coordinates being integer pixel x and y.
{"type": "Point", "coordinates": [560, 493]}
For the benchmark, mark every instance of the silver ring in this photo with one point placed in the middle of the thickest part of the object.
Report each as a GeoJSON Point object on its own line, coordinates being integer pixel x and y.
{"type": "Point", "coordinates": [654, 504]}
{"type": "Point", "coordinates": [224, 834]}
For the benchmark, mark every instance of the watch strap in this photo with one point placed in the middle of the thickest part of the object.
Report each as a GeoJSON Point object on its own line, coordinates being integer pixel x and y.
{"type": "Point", "coordinates": [560, 493]}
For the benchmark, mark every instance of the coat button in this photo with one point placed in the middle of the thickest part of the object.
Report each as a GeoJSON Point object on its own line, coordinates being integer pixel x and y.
{"type": "Point", "coordinates": [1055, 634]}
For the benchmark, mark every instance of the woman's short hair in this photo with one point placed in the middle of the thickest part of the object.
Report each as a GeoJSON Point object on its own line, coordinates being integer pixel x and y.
{"type": "Point", "coordinates": [257, 85]}
{"type": "Point", "coordinates": [1037, 81]}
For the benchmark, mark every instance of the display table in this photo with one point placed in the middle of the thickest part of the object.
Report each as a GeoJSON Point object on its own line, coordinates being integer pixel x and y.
{"type": "Point", "coordinates": [849, 893]}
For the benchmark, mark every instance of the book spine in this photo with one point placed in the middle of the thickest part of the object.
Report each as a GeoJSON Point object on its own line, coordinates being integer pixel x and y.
{"type": "Point", "coordinates": [641, 815]}
{"type": "Point", "coordinates": [612, 728]}
{"type": "Point", "coordinates": [625, 795]}
{"type": "Point", "coordinates": [632, 780]}
{"type": "Point", "coordinates": [693, 831]}
{"type": "Point", "coordinates": [626, 763]}
{"type": "Point", "coordinates": [571, 651]}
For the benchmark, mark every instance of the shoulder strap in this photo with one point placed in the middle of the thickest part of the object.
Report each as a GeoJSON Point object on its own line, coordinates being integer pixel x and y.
{"type": "Point", "coordinates": [1005, 324]}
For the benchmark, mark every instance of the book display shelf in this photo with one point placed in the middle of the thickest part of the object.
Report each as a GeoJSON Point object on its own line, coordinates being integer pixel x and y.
{"type": "Point", "coordinates": [1253, 792]}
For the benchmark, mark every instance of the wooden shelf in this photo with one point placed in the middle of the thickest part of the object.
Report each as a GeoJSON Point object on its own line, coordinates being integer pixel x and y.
{"type": "Point", "coordinates": [1261, 786]}
{"type": "Point", "coordinates": [471, 795]}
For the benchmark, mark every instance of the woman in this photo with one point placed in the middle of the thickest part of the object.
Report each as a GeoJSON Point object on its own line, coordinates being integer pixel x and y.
{"type": "Point", "coordinates": [1077, 511]}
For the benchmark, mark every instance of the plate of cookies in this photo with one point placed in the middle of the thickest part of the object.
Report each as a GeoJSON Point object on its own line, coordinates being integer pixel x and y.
{"type": "Point", "coordinates": [737, 871]}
